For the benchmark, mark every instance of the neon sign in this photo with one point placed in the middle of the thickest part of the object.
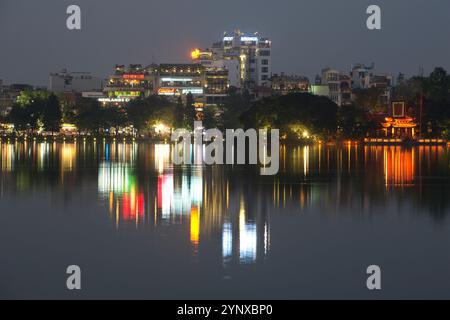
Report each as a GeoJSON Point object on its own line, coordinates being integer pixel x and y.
{"type": "Point", "coordinates": [167, 91]}
{"type": "Point", "coordinates": [133, 76]}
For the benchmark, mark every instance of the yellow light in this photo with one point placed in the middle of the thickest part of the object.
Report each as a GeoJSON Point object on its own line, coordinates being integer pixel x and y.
{"type": "Point", "coordinates": [161, 128]}
{"type": "Point", "coordinates": [195, 225]}
{"type": "Point", "coordinates": [195, 54]}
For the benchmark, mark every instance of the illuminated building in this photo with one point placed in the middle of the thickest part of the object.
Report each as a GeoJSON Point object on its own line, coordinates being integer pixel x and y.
{"type": "Point", "coordinates": [284, 84]}
{"type": "Point", "coordinates": [216, 76]}
{"type": "Point", "coordinates": [399, 125]}
{"type": "Point", "coordinates": [247, 57]}
{"type": "Point", "coordinates": [68, 129]}
{"type": "Point", "coordinates": [65, 81]}
{"type": "Point", "coordinates": [128, 83]}
{"type": "Point", "coordinates": [180, 79]}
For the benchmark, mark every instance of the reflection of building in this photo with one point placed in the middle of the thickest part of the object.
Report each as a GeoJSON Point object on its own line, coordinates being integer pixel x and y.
{"type": "Point", "coordinates": [399, 125]}
{"type": "Point", "coordinates": [196, 201]}
{"type": "Point", "coordinates": [245, 239]}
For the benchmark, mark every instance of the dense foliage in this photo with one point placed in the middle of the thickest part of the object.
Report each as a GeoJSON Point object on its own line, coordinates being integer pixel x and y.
{"type": "Point", "coordinates": [299, 116]}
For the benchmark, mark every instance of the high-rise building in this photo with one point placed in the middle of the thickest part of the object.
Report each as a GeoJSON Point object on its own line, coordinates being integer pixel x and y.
{"type": "Point", "coordinates": [247, 57]}
{"type": "Point", "coordinates": [216, 75]}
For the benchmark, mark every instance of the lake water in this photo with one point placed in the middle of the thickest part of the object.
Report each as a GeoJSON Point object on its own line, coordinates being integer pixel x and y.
{"type": "Point", "coordinates": [140, 228]}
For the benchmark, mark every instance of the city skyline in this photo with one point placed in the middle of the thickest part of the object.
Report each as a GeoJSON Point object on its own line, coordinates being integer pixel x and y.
{"type": "Point", "coordinates": [302, 42]}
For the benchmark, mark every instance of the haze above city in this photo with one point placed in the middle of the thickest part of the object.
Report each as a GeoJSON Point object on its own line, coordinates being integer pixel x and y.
{"type": "Point", "coordinates": [306, 35]}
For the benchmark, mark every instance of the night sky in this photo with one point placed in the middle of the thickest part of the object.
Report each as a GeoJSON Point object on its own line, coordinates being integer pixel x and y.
{"type": "Point", "coordinates": [306, 35]}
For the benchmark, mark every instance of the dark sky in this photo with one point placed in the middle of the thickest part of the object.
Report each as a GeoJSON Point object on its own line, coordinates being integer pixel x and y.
{"type": "Point", "coordinates": [306, 35]}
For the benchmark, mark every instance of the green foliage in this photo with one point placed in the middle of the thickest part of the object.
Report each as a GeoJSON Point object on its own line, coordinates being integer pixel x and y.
{"type": "Point", "coordinates": [90, 115]}
{"type": "Point", "coordinates": [235, 105]}
{"type": "Point", "coordinates": [26, 98]}
{"type": "Point", "coordinates": [353, 122]}
{"type": "Point", "coordinates": [315, 114]}
{"type": "Point", "coordinates": [369, 99]}
{"type": "Point", "coordinates": [189, 113]}
{"type": "Point", "coordinates": [436, 102]}
{"type": "Point", "coordinates": [211, 116]}
{"type": "Point", "coordinates": [27, 117]}
{"type": "Point", "coordinates": [51, 115]}
{"type": "Point", "coordinates": [179, 114]}
{"type": "Point", "coordinates": [141, 112]}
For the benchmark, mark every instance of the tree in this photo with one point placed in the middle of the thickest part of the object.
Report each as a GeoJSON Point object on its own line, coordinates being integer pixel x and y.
{"type": "Point", "coordinates": [353, 122]}
{"type": "Point", "coordinates": [210, 117]}
{"type": "Point", "coordinates": [369, 99]}
{"type": "Point", "coordinates": [316, 116]}
{"type": "Point", "coordinates": [90, 116]}
{"type": "Point", "coordinates": [435, 91]}
{"type": "Point", "coordinates": [141, 111]}
{"type": "Point", "coordinates": [26, 117]}
{"type": "Point", "coordinates": [232, 109]}
{"type": "Point", "coordinates": [19, 116]}
{"type": "Point", "coordinates": [51, 115]}
{"type": "Point", "coordinates": [179, 113]}
{"type": "Point", "coordinates": [114, 117]}
{"type": "Point", "coordinates": [28, 97]}
{"type": "Point", "coordinates": [190, 114]}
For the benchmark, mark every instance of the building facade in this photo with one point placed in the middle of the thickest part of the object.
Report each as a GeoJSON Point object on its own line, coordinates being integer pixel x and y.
{"type": "Point", "coordinates": [128, 83]}
{"type": "Point", "coordinates": [247, 57]}
{"type": "Point", "coordinates": [65, 81]}
{"type": "Point", "coordinates": [334, 84]}
{"type": "Point", "coordinates": [284, 84]}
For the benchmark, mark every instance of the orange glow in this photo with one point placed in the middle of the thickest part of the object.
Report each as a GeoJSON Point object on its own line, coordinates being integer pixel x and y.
{"type": "Point", "coordinates": [406, 122]}
{"type": "Point", "coordinates": [134, 76]}
{"type": "Point", "coordinates": [195, 54]}
{"type": "Point", "coordinates": [399, 166]}
{"type": "Point", "coordinates": [195, 225]}
{"type": "Point", "coordinates": [167, 91]}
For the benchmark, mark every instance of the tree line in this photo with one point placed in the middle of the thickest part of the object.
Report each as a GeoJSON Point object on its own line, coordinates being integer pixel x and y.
{"type": "Point", "coordinates": [298, 116]}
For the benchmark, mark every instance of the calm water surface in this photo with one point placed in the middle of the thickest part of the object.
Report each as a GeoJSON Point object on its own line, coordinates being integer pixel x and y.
{"type": "Point", "coordinates": [140, 228]}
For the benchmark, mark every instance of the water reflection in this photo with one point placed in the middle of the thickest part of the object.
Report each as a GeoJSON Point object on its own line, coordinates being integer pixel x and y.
{"type": "Point", "coordinates": [140, 188]}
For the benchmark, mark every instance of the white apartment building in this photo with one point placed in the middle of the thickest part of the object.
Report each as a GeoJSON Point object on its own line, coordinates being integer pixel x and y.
{"type": "Point", "coordinates": [248, 58]}
{"type": "Point", "coordinates": [65, 81]}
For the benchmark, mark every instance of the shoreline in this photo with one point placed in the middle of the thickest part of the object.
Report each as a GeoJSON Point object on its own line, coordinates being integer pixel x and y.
{"type": "Point", "coordinates": [128, 139]}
